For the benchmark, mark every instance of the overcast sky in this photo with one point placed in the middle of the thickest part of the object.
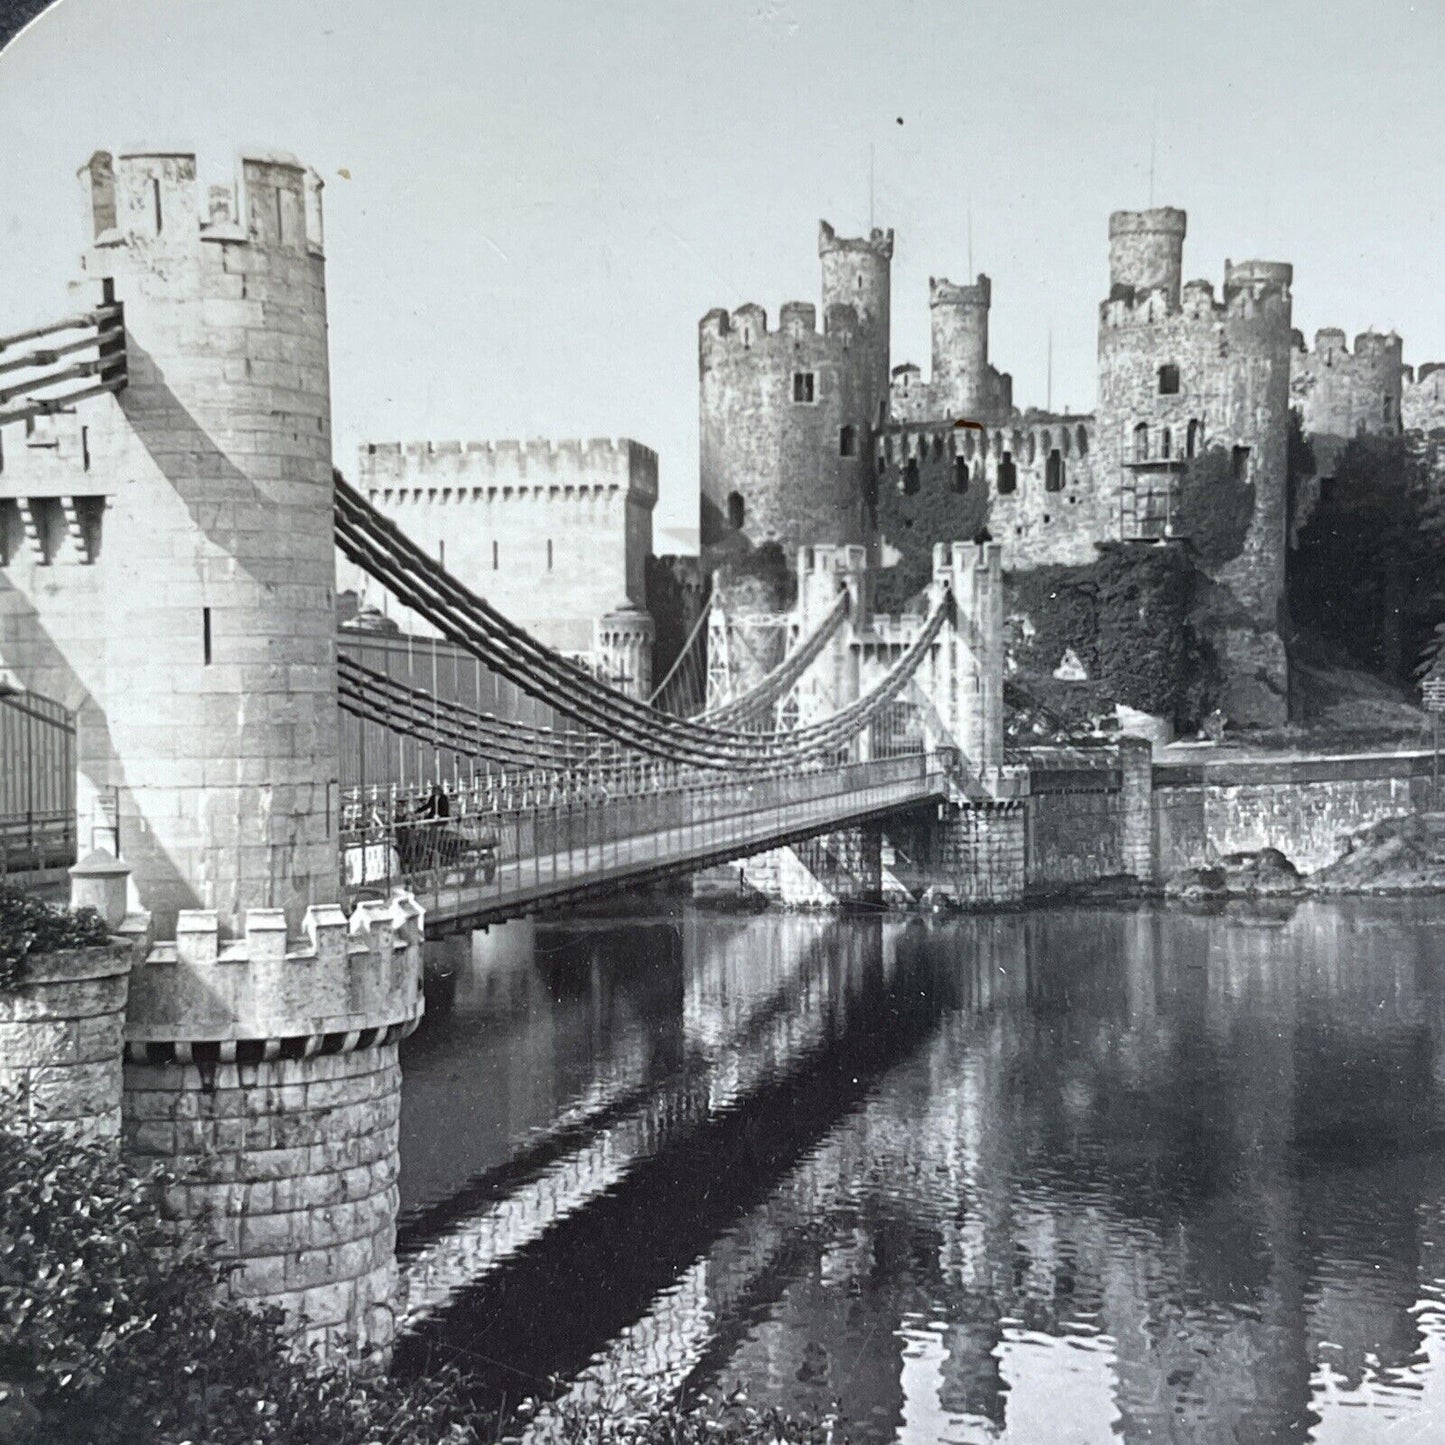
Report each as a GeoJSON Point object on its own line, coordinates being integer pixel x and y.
{"type": "Point", "coordinates": [542, 198]}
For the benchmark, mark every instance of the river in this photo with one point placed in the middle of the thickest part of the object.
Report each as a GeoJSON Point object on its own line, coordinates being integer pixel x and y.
{"type": "Point", "coordinates": [1061, 1176]}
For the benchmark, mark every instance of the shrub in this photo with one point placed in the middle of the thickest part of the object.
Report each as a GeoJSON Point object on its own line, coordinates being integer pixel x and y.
{"type": "Point", "coordinates": [27, 925]}
{"type": "Point", "coordinates": [111, 1332]}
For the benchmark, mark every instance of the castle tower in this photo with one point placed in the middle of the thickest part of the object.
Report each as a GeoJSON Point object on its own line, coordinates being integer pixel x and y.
{"type": "Point", "coordinates": [188, 618]}
{"type": "Point", "coordinates": [1341, 393]}
{"type": "Point", "coordinates": [1146, 252]}
{"type": "Point", "coordinates": [857, 272]}
{"type": "Point", "coordinates": [195, 634]}
{"type": "Point", "coordinates": [958, 316]}
{"type": "Point", "coordinates": [1181, 373]}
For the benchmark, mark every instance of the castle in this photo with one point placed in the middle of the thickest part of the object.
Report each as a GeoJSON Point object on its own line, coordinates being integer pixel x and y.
{"type": "Point", "coordinates": [799, 439]}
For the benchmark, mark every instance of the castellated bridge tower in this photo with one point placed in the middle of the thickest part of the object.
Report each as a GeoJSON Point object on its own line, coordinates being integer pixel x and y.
{"type": "Point", "coordinates": [959, 321]}
{"type": "Point", "coordinates": [1181, 372]}
{"type": "Point", "coordinates": [195, 634]}
{"type": "Point", "coordinates": [172, 583]}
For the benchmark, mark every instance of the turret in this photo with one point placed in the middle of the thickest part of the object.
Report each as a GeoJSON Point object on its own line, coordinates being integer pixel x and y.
{"type": "Point", "coordinates": [959, 321]}
{"type": "Point", "coordinates": [1146, 251]}
{"type": "Point", "coordinates": [857, 273]}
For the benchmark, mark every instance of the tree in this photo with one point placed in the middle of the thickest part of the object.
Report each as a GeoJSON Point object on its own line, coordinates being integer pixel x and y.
{"type": "Point", "coordinates": [1369, 573]}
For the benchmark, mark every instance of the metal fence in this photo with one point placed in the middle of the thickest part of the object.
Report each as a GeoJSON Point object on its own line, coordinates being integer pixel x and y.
{"type": "Point", "coordinates": [508, 840]}
{"type": "Point", "coordinates": [37, 783]}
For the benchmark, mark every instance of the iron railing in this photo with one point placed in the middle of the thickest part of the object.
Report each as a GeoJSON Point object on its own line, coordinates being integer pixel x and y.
{"type": "Point", "coordinates": [513, 841]}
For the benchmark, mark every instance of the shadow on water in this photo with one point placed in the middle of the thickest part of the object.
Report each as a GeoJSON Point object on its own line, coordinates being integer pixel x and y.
{"type": "Point", "coordinates": [599, 1268]}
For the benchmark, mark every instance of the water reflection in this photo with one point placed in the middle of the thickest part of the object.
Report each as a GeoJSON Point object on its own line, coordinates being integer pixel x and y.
{"type": "Point", "coordinates": [1056, 1176]}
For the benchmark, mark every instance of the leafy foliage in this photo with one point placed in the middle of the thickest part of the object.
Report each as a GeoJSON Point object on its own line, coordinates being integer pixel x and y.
{"type": "Point", "coordinates": [1369, 574]}
{"type": "Point", "coordinates": [913, 521]}
{"type": "Point", "coordinates": [1129, 617]}
{"type": "Point", "coordinates": [1215, 507]}
{"type": "Point", "coordinates": [29, 926]}
{"type": "Point", "coordinates": [111, 1333]}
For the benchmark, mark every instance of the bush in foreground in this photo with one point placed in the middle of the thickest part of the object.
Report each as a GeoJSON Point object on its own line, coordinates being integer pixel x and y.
{"type": "Point", "coordinates": [29, 926]}
{"type": "Point", "coordinates": [110, 1335]}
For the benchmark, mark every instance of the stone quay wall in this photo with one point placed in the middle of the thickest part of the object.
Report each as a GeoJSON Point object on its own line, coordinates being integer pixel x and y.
{"type": "Point", "coordinates": [1305, 807]}
{"type": "Point", "coordinates": [1089, 814]}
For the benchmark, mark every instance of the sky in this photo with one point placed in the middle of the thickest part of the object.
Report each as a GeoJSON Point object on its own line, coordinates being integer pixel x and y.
{"type": "Point", "coordinates": [530, 205]}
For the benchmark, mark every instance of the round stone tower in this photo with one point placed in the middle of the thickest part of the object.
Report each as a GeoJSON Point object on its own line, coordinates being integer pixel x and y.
{"type": "Point", "coordinates": [959, 320]}
{"type": "Point", "coordinates": [219, 743]}
{"type": "Point", "coordinates": [857, 272]}
{"type": "Point", "coordinates": [1146, 251]}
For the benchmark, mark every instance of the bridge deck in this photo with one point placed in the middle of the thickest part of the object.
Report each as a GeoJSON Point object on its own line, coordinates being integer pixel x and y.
{"type": "Point", "coordinates": [630, 840]}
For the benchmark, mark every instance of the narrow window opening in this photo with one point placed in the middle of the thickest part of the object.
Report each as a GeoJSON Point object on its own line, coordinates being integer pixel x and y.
{"type": "Point", "coordinates": [802, 386]}
{"type": "Point", "coordinates": [747, 337]}
{"type": "Point", "coordinates": [960, 474]}
{"type": "Point", "coordinates": [206, 634]}
{"type": "Point", "coordinates": [156, 201]}
{"type": "Point", "coordinates": [1008, 474]}
{"type": "Point", "coordinates": [1054, 472]}
{"type": "Point", "coordinates": [910, 477]}
{"type": "Point", "coordinates": [1191, 439]}
{"type": "Point", "coordinates": [549, 554]}
{"type": "Point", "coordinates": [496, 556]}
{"type": "Point", "coordinates": [85, 448]}
{"type": "Point", "coordinates": [1239, 463]}
{"type": "Point", "coordinates": [1141, 442]}
{"type": "Point", "coordinates": [280, 218]}
{"type": "Point", "coordinates": [1169, 379]}
{"type": "Point", "coordinates": [847, 442]}
{"type": "Point", "coordinates": [737, 511]}
{"type": "Point", "coordinates": [1166, 444]}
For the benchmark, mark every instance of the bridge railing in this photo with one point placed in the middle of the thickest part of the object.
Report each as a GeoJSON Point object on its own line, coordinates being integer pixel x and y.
{"type": "Point", "coordinates": [471, 845]}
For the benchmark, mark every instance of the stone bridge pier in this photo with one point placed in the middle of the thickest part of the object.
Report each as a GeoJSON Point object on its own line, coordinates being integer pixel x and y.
{"type": "Point", "coordinates": [187, 617]}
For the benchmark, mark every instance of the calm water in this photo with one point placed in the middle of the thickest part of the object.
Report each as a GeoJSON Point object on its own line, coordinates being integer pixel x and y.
{"type": "Point", "coordinates": [1056, 1177]}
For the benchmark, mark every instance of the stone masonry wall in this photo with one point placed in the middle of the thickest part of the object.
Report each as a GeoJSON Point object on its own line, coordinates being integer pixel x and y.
{"type": "Point", "coordinates": [554, 534]}
{"type": "Point", "coordinates": [1340, 393]}
{"type": "Point", "coordinates": [1305, 808]}
{"type": "Point", "coordinates": [772, 459]}
{"type": "Point", "coordinates": [192, 626]}
{"type": "Point", "coordinates": [61, 1040]}
{"type": "Point", "coordinates": [1089, 814]}
{"type": "Point", "coordinates": [291, 1166]}
{"type": "Point", "coordinates": [1050, 513]}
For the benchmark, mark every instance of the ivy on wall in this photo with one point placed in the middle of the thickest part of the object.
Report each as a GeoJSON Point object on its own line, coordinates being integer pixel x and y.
{"type": "Point", "coordinates": [913, 516]}
{"type": "Point", "coordinates": [1129, 617]}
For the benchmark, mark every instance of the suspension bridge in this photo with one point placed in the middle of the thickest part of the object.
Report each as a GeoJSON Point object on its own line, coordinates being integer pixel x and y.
{"type": "Point", "coordinates": [841, 732]}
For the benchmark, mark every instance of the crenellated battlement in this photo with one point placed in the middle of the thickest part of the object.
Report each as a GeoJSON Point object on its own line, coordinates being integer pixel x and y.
{"type": "Point", "coordinates": [460, 471]}
{"type": "Point", "coordinates": [966, 557]}
{"type": "Point", "coordinates": [747, 326]}
{"type": "Point", "coordinates": [345, 985]}
{"type": "Point", "coordinates": [943, 292]}
{"type": "Point", "coordinates": [877, 242]}
{"type": "Point", "coordinates": [1253, 291]}
{"type": "Point", "coordinates": [156, 200]}
{"type": "Point", "coordinates": [840, 558]}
